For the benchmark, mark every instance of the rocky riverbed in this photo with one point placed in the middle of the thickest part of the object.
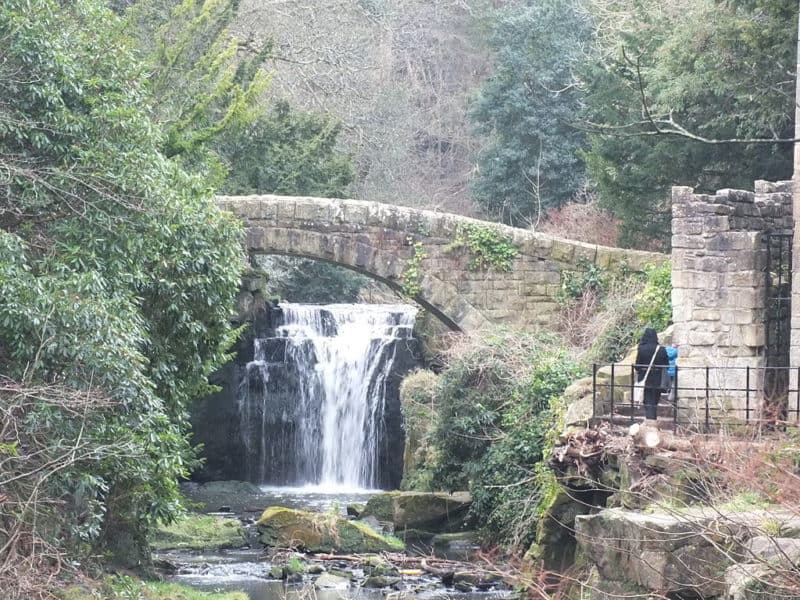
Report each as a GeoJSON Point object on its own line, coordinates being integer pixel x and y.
{"type": "Point", "coordinates": [225, 549]}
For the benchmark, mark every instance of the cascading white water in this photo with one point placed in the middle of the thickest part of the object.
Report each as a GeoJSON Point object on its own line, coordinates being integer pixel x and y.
{"type": "Point", "coordinates": [340, 356]}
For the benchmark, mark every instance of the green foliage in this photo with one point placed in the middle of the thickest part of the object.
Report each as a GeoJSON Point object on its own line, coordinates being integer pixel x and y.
{"type": "Point", "coordinates": [286, 152]}
{"type": "Point", "coordinates": [201, 88]}
{"type": "Point", "coordinates": [489, 249]}
{"type": "Point", "coordinates": [494, 414]}
{"type": "Point", "coordinates": [589, 277]}
{"type": "Point", "coordinates": [118, 276]}
{"type": "Point", "coordinates": [411, 278]}
{"type": "Point", "coordinates": [305, 280]}
{"type": "Point", "coordinates": [294, 153]}
{"type": "Point", "coordinates": [605, 313]}
{"type": "Point", "coordinates": [527, 106]}
{"type": "Point", "coordinates": [721, 70]}
{"type": "Point", "coordinates": [654, 303]}
{"type": "Point", "coordinates": [418, 405]}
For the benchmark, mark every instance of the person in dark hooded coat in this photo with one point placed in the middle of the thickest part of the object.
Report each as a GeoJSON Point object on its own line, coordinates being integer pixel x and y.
{"type": "Point", "coordinates": [648, 346]}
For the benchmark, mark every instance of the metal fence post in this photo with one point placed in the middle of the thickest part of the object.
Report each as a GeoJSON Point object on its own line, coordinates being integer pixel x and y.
{"type": "Point", "coordinates": [675, 401]}
{"type": "Point", "coordinates": [707, 397]}
{"type": "Point", "coordinates": [747, 396]}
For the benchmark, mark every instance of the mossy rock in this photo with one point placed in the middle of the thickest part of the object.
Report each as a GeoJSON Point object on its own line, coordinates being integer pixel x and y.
{"type": "Point", "coordinates": [434, 512]}
{"type": "Point", "coordinates": [315, 532]}
{"type": "Point", "coordinates": [198, 532]}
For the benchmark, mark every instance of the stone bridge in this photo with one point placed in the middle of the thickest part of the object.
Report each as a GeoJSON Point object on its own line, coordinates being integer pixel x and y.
{"type": "Point", "coordinates": [468, 273]}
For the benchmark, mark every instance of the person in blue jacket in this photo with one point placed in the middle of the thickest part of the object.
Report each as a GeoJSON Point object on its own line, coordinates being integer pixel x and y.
{"type": "Point", "coordinates": [672, 355]}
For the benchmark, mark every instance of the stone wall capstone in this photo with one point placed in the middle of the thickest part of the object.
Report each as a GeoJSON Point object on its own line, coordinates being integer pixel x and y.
{"type": "Point", "coordinates": [382, 241]}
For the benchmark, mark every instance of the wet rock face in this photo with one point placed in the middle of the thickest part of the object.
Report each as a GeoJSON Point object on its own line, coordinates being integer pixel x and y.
{"type": "Point", "coordinates": [215, 419]}
{"type": "Point", "coordinates": [260, 445]}
{"type": "Point", "coordinates": [429, 512]}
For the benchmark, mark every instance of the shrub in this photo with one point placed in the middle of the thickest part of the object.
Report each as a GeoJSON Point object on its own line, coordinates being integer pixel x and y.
{"type": "Point", "coordinates": [493, 401]}
{"type": "Point", "coordinates": [654, 303]}
{"type": "Point", "coordinates": [603, 315]}
{"type": "Point", "coordinates": [418, 404]}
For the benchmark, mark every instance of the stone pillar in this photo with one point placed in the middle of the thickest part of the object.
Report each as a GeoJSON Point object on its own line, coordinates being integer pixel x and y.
{"type": "Point", "coordinates": [719, 288]}
{"type": "Point", "coordinates": [794, 352]}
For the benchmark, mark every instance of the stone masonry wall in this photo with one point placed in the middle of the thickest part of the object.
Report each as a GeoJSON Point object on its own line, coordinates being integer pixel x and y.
{"type": "Point", "coordinates": [719, 282]}
{"type": "Point", "coordinates": [382, 241]}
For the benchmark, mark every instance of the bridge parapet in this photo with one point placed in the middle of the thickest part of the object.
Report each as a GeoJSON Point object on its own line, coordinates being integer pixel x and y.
{"type": "Point", "coordinates": [396, 244]}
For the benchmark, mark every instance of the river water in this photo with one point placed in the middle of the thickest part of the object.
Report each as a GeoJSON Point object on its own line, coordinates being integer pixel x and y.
{"type": "Point", "coordinates": [248, 569]}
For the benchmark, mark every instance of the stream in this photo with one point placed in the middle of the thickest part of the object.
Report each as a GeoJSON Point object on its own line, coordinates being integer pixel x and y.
{"type": "Point", "coordinates": [248, 569]}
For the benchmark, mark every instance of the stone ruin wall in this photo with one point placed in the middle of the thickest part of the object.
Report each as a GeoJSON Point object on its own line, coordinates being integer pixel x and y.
{"type": "Point", "coordinates": [719, 282]}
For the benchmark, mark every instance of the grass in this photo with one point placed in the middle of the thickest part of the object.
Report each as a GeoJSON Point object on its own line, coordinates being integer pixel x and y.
{"type": "Point", "coordinates": [127, 588]}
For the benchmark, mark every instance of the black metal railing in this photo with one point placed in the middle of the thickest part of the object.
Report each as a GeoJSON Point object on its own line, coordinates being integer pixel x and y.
{"type": "Point", "coordinates": [703, 398]}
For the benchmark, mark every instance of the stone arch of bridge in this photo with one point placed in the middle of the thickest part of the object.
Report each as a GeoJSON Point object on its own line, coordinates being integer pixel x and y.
{"type": "Point", "coordinates": [460, 311]}
{"type": "Point", "coordinates": [387, 242]}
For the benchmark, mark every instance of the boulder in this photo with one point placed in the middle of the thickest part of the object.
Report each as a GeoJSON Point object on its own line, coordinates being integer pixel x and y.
{"type": "Point", "coordinates": [779, 551]}
{"type": "Point", "coordinates": [755, 581]}
{"type": "Point", "coordinates": [317, 532]}
{"type": "Point", "coordinates": [326, 581]}
{"type": "Point", "coordinates": [460, 546]}
{"type": "Point", "coordinates": [426, 511]}
{"type": "Point", "coordinates": [380, 581]}
{"type": "Point", "coordinates": [355, 510]}
{"type": "Point", "coordinates": [667, 553]}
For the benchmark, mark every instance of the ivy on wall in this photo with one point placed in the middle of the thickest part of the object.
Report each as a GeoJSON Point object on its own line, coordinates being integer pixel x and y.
{"type": "Point", "coordinates": [411, 279]}
{"type": "Point", "coordinates": [488, 248]}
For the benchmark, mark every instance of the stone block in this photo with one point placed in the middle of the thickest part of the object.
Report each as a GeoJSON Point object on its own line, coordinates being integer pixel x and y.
{"type": "Point", "coordinates": [285, 211]}
{"type": "Point", "coordinates": [256, 237]}
{"type": "Point", "coordinates": [705, 314]}
{"type": "Point", "coordinates": [562, 251]}
{"type": "Point", "coordinates": [687, 226]}
{"type": "Point", "coordinates": [749, 279]}
{"type": "Point", "coordinates": [739, 240]}
{"type": "Point", "coordinates": [708, 298]}
{"type": "Point", "coordinates": [715, 224]}
{"type": "Point", "coordinates": [688, 241]}
{"type": "Point", "coordinates": [702, 338]}
{"type": "Point", "coordinates": [753, 335]}
{"type": "Point", "coordinates": [748, 298]}
{"type": "Point", "coordinates": [739, 316]}
{"type": "Point", "coordinates": [695, 279]}
{"type": "Point", "coordinates": [682, 195]}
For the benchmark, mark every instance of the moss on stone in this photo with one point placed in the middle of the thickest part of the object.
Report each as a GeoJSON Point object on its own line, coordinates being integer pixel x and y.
{"type": "Point", "coordinates": [198, 532]}
{"type": "Point", "coordinates": [111, 590]}
{"type": "Point", "coordinates": [315, 532]}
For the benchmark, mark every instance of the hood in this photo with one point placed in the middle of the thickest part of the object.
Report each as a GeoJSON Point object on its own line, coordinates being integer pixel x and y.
{"type": "Point", "coordinates": [649, 337]}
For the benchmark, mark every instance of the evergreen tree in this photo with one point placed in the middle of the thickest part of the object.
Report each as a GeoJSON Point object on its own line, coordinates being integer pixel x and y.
{"type": "Point", "coordinates": [528, 107]}
{"type": "Point", "coordinates": [718, 69]}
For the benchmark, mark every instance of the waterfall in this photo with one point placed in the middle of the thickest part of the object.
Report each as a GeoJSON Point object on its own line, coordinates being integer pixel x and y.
{"type": "Point", "coordinates": [312, 404]}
